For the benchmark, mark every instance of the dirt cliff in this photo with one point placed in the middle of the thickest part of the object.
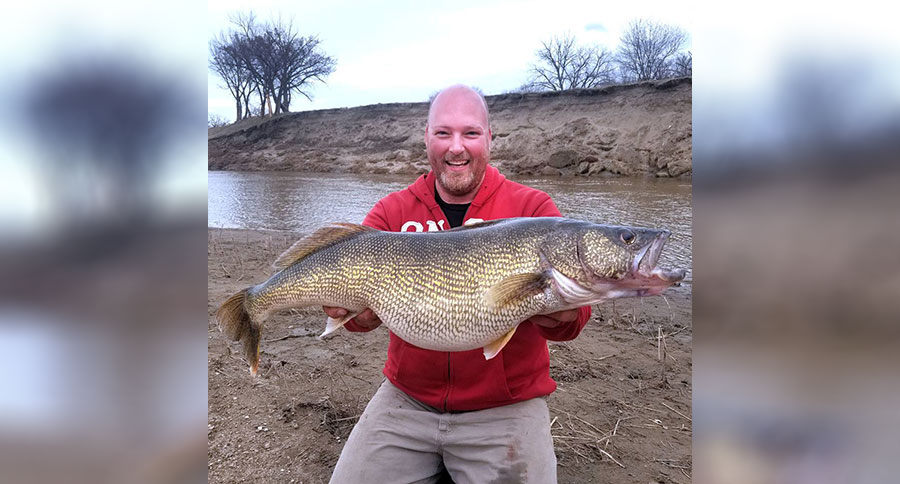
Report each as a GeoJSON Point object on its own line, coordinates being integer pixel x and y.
{"type": "Point", "coordinates": [639, 129]}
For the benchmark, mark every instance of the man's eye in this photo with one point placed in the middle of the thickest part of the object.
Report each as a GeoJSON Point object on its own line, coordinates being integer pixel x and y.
{"type": "Point", "coordinates": [472, 133]}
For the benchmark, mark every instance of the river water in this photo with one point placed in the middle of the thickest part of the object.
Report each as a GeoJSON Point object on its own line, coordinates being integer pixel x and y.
{"type": "Point", "coordinates": [302, 202]}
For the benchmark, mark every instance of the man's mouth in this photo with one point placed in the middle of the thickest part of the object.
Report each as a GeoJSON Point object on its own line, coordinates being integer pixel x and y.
{"type": "Point", "coordinates": [457, 162]}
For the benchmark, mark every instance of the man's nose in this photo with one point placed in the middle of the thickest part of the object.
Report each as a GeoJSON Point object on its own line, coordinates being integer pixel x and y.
{"type": "Point", "coordinates": [456, 145]}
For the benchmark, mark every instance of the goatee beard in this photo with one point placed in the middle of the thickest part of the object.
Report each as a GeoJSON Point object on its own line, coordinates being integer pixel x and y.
{"type": "Point", "coordinates": [458, 185]}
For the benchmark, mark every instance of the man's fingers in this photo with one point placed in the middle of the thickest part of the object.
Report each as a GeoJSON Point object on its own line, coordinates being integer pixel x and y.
{"type": "Point", "coordinates": [566, 316]}
{"type": "Point", "coordinates": [545, 321]}
{"type": "Point", "coordinates": [334, 312]}
{"type": "Point", "coordinates": [368, 319]}
{"type": "Point", "coordinates": [553, 320]}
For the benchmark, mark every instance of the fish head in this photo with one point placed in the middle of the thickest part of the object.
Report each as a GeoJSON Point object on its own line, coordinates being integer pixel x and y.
{"type": "Point", "coordinates": [623, 261]}
{"type": "Point", "coordinates": [611, 262]}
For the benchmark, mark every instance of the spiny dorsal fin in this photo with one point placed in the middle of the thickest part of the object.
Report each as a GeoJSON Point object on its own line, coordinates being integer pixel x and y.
{"type": "Point", "coordinates": [517, 287]}
{"type": "Point", "coordinates": [324, 237]}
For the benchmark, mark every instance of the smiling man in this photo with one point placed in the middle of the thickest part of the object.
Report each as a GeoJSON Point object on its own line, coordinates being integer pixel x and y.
{"type": "Point", "coordinates": [456, 413]}
{"type": "Point", "coordinates": [458, 143]}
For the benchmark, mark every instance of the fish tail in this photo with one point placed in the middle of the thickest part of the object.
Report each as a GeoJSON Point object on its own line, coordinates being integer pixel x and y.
{"type": "Point", "coordinates": [236, 323]}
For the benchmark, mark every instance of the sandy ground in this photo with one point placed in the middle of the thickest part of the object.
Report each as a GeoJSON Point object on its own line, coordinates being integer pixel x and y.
{"type": "Point", "coordinates": [622, 412]}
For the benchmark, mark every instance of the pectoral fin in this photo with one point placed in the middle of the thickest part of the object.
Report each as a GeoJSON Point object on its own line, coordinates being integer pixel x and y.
{"type": "Point", "coordinates": [333, 324]}
{"type": "Point", "coordinates": [492, 349]}
{"type": "Point", "coordinates": [516, 288]}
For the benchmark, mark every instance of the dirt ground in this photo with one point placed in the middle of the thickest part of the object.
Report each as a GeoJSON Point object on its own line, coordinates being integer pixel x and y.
{"type": "Point", "coordinates": [622, 412]}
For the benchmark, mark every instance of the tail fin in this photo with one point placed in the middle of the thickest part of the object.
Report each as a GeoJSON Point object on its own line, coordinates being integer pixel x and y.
{"type": "Point", "coordinates": [236, 323]}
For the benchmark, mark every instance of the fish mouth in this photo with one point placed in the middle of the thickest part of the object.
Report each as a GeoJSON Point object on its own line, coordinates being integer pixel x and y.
{"type": "Point", "coordinates": [645, 269]}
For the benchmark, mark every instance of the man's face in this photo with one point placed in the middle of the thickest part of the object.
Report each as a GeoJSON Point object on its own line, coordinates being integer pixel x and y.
{"type": "Point", "coordinates": [458, 143]}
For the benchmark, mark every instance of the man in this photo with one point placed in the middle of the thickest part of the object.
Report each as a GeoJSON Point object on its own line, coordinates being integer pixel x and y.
{"type": "Point", "coordinates": [481, 420]}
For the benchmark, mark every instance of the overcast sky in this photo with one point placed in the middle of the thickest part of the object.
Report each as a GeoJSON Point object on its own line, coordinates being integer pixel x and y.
{"type": "Point", "coordinates": [402, 51]}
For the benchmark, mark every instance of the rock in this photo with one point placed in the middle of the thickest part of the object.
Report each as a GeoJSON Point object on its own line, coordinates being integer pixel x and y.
{"type": "Point", "coordinates": [596, 168]}
{"type": "Point", "coordinates": [526, 162]}
{"type": "Point", "coordinates": [550, 171]}
{"type": "Point", "coordinates": [607, 137]}
{"type": "Point", "coordinates": [402, 155]}
{"type": "Point", "coordinates": [628, 155]}
{"type": "Point", "coordinates": [562, 159]}
{"type": "Point", "coordinates": [679, 167]}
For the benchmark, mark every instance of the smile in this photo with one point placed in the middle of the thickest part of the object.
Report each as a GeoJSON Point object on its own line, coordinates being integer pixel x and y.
{"type": "Point", "coordinates": [457, 162]}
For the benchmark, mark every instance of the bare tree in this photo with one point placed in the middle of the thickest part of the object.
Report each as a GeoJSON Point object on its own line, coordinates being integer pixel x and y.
{"type": "Point", "coordinates": [682, 65]}
{"type": "Point", "coordinates": [299, 62]}
{"type": "Point", "coordinates": [215, 121]}
{"type": "Point", "coordinates": [273, 59]}
{"type": "Point", "coordinates": [226, 63]}
{"type": "Point", "coordinates": [646, 50]}
{"type": "Point", "coordinates": [526, 87]}
{"type": "Point", "coordinates": [562, 64]}
{"type": "Point", "coordinates": [240, 41]}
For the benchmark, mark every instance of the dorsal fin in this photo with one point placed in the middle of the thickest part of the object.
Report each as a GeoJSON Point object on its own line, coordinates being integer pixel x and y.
{"type": "Point", "coordinates": [321, 238]}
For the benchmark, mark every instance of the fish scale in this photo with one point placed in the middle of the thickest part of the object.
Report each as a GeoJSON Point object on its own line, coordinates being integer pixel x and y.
{"type": "Point", "coordinates": [454, 290]}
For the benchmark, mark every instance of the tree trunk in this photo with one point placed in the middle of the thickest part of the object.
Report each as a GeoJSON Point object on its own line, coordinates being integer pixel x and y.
{"type": "Point", "coordinates": [262, 101]}
{"type": "Point", "coordinates": [247, 112]}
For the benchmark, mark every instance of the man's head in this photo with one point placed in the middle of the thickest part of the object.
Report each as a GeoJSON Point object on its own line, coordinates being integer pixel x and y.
{"type": "Point", "coordinates": [458, 142]}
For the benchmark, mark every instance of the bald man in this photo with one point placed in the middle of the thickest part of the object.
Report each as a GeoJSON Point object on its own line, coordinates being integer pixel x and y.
{"type": "Point", "coordinates": [455, 413]}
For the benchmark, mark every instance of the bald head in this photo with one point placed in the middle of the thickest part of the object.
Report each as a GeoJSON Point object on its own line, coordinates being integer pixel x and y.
{"type": "Point", "coordinates": [458, 94]}
{"type": "Point", "coordinates": [458, 142]}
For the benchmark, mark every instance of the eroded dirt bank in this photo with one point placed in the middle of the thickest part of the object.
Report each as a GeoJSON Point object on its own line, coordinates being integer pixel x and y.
{"type": "Point", "coordinates": [630, 130]}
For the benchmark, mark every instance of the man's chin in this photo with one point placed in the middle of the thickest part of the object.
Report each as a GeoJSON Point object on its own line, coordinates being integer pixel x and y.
{"type": "Point", "coordinates": [457, 185]}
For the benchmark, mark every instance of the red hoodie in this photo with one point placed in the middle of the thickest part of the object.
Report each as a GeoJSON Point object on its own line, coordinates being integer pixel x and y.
{"type": "Point", "coordinates": [461, 381]}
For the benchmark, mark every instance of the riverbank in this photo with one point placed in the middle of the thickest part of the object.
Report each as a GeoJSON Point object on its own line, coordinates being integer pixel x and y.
{"type": "Point", "coordinates": [641, 129]}
{"type": "Point", "coordinates": [621, 412]}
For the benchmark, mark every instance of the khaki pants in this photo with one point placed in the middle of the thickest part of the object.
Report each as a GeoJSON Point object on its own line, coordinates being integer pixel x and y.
{"type": "Point", "coordinates": [400, 440]}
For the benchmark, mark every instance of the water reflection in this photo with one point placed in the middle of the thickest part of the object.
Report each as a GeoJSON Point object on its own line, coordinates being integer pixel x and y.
{"type": "Point", "coordinates": [642, 202]}
{"type": "Point", "coordinates": [301, 202]}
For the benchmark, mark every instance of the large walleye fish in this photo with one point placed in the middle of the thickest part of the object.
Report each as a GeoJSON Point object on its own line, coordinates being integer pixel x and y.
{"type": "Point", "coordinates": [453, 290]}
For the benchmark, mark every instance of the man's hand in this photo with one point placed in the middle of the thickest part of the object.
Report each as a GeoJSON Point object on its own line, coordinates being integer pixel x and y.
{"type": "Point", "coordinates": [556, 319]}
{"type": "Point", "coordinates": [366, 319]}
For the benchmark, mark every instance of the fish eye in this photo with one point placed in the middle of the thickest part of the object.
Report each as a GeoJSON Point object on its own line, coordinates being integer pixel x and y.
{"type": "Point", "coordinates": [627, 236]}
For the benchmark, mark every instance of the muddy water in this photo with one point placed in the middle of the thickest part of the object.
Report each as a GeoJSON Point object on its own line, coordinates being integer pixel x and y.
{"type": "Point", "coordinates": [304, 201]}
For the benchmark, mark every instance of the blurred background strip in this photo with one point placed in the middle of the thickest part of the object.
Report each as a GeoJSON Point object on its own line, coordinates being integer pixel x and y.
{"type": "Point", "coordinates": [102, 210]}
{"type": "Point", "coordinates": [796, 237]}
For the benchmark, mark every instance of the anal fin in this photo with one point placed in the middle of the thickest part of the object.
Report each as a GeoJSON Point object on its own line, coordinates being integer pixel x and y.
{"type": "Point", "coordinates": [332, 324]}
{"type": "Point", "coordinates": [493, 348]}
